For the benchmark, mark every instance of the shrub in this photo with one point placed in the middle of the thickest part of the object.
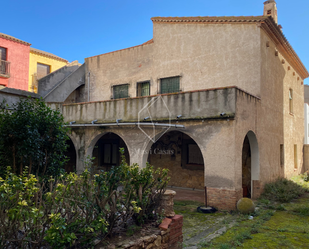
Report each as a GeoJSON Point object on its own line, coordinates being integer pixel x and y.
{"type": "Point", "coordinates": [72, 210]}
{"type": "Point", "coordinates": [32, 134]}
{"type": "Point", "coordinates": [282, 190]}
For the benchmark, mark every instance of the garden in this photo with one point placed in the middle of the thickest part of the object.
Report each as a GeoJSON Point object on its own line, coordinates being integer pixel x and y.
{"type": "Point", "coordinates": [44, 207]}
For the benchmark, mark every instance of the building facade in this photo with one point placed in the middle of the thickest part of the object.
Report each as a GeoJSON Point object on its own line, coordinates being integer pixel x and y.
{"type": "Point", "coordinates": [14, 62]}
{"type": "Point", "coordinates": [42, 63]}
{"type": "Point", "coordinates": [216, 100]}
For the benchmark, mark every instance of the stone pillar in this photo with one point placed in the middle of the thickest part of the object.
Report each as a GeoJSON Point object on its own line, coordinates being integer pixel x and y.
{"type": "Point", "coordinates": [167, 204]}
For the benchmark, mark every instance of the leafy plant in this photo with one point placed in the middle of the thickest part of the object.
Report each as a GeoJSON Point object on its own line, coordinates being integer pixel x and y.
{"type": "Point", "coordinates": [282, 190]}
{"type": "Point", "coordinates": [32, 134]}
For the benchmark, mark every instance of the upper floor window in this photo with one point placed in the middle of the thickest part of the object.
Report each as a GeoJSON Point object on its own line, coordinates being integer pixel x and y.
{"type": "Point", "coordinates": [143, 88]}
{"type": "Point", "coordinates": [290, 100]}
{"type": "Point", "coordinates": [3, 54]}
{"type": "Point", "coordinates": [4, 64]}
{"type": "Point", "coordinates": [121, 91]}
{"type": "Point", "coordinates": [42, 70]}
{"type": "Point", "coordinates": [170, 85]}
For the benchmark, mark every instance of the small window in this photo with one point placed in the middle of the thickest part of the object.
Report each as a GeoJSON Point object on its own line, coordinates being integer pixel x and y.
{"type": "Point", "coordinates": [291, 101]}
{"type": "Point", "coordinates": [268, 12]}
{"type": "Point", "coordinates": [42, 70]}
{"type": "Point", "coordinates": [143, 88]}
{"type": "Point", "coordinates": [170, 85]}
{"type": "Point", "coordinates": [3, 53]}
{"type": "Point", "coordinates": [295, 156]}
{"type": "Point", "coordinates": [281, 155]}
{"type": "Point", "coordinates": [121, 91]}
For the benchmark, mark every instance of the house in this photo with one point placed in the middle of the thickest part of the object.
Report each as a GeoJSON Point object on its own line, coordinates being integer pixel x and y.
{"type": "Point", "coordinates": [22, 66]}
{"type": "Point", "coordinates": [14, 62]}
{"type": "Point", "coordinates": [216, 100]}
{"type": "Point", "coordinates": [42, 63]}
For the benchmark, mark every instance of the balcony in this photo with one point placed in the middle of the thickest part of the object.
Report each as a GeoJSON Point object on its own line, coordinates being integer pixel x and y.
{"type": "Point", "coordinates": [197, 105]}
{"type": "Point", "coordinates": [5, 69]}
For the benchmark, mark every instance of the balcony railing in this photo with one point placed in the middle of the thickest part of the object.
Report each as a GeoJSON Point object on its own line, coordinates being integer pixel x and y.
{"type": "Point", "coordinates": [5, 68]}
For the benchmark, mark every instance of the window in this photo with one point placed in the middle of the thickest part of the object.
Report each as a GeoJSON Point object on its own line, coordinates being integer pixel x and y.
{"type": "Point", "coordinates": [170, 85]}
{"type": "Point", "coordinates": [291, 101]}
{"type": "Point", "coordinates": [110, 153]}
{"type": "Point", "coordinates": [268, 12]}
{"type": "Point", "coordinates": [4, 64]}
{"type": "Point", "coordinates": [143, 88]}
{"type": "Point", "coordinates": [3, 54]}
{"type": "Point", "coordinates": [42, 70]}
{"type": "Point", "coordinates": [281, 155]}
{"type": "Point", "coordinates": [191, 155]}
{"type": "Point", "coordinates": [295, 156]}
{"type": "Point", "coordinates": [121, 91]}
{"type": "Point", "coordinates": [195, 155]}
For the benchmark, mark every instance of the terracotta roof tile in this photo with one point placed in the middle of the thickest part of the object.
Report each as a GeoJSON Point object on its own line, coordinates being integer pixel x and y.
{"type": "Point", "coordinates": [40, 52]}
{"type": "Point", "coordinates": [214, 19]}
{"type": "Point", "coordinates": [13, 39]}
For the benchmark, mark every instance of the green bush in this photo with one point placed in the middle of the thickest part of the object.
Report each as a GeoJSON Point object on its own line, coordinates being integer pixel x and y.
{"type": "Point", "coordinates": [72, 210]}
{"type": "Point", "coordinates": [32, 134]}
{"type": "Point", "coordinates": [282, 190]}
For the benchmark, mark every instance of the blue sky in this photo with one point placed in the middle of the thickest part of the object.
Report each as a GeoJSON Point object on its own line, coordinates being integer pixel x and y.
{"type": "Point", "coordinates": [78, 29]}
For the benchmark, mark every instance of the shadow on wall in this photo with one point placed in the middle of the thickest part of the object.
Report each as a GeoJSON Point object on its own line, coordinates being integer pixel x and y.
{"type": "Point", "coordinates": [106, 152]}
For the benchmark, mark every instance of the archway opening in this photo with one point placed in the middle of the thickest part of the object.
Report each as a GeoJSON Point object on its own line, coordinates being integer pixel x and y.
{"type": "Point", "coordinates": [70, 153]}
{"type": "Point", "coordinates": [246, 168]}
{"type": "Point", "coordinates": [106, 152]}
{"type": "Point", "coordinates": [250, 166]}
{"type": "Point", "coordinates": [180, 154]}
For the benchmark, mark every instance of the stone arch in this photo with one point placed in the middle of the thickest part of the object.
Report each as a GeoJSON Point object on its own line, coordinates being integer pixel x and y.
{"type": "Point", "coordinates": [250, 164]}
{"type": "Point", "coordinates": [105, 148]}
{"type": "Point", "coordinates": [181, 154]}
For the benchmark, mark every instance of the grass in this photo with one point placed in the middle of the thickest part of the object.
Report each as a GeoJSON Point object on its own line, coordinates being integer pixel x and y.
{"type": "Point", "coordinates": [278, 223]}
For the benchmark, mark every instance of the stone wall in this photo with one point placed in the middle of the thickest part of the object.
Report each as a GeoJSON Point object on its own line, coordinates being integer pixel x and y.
{"type": "Point", "coordinates": [167, 236]}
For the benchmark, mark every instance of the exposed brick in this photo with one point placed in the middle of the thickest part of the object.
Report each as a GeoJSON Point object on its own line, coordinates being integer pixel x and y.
{"type": "Point", "coordinates": [165, 224]}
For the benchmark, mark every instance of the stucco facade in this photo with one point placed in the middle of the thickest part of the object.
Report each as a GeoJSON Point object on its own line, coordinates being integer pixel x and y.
{"type": "Point", "coordinates": [14, 68]}
{"type": "Point", "coordinates": [37, 56]}
{"type": "Point", "coordinates": [235, 122]}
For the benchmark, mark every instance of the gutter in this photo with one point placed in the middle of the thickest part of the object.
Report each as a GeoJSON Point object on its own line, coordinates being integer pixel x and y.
{"type": "Point", "coordinates": [125, 124]}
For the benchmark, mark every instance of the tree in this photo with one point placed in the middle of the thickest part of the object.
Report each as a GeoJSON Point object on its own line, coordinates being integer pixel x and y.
{"type": "Point", "coordinates": [33, 135]}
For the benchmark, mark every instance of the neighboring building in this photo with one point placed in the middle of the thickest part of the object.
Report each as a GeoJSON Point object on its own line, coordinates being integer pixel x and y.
{"type": "Point", "coordinates": [14, 62]}
{"type": "Point", "coordinates": [41, 64]}
{"type": "Point", "coordinates": [306, 108]}
{"type": "Point", "coordinates": [219, 101]}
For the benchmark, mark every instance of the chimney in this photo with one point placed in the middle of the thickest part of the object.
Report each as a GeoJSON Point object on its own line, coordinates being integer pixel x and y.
{"type": "Point", "coordinates": [270, 9]}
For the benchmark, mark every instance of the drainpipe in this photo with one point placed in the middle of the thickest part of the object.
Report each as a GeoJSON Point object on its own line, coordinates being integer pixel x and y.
{"type": "Point", "coordinates": [89, 86]}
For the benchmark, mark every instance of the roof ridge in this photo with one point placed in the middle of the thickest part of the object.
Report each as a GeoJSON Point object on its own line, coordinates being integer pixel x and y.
{"type": "Point", "coordinates": [9, 37]}
{"type": "Point", "coordinates": [38, 51]}
{"type": "Point", "coordinates": [145, 43]}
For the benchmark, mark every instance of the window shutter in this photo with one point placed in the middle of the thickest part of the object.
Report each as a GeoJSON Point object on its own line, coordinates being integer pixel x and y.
{"type": "Point", "coordinates": [143, 89]}
{"type": "Point", "coordinates": [170, 85]}
{"type": "Point", "coordinates": [121, 91]}
{"type": "Point", "coordinates": [2, 54]}
{"type": "Point", "coordinates": [42, 70]}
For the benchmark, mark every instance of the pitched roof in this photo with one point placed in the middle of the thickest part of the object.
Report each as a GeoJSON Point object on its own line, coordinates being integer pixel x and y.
{"type": "Point", "coordinates": [40, 52]}
{"type": "Point", "coordinates": [13, 39]}
{"type": "Point", "coordinates": [215, 19]}
{"type": "Point", "coordinates": [265, 22]}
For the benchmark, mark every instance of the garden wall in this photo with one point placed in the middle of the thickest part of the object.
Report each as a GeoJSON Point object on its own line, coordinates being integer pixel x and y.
{"type": "Point", "coordinates": [167, 236]}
